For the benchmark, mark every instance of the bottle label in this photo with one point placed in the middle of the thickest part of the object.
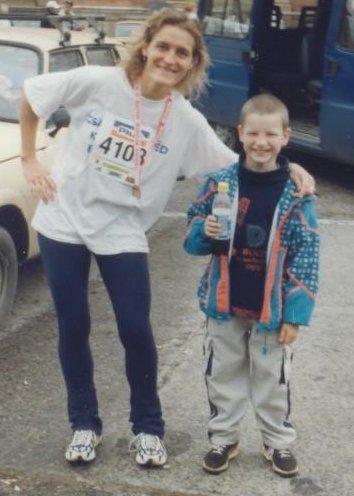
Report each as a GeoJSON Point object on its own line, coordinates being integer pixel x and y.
{"type": "Point", "coordinates": [223, 217]}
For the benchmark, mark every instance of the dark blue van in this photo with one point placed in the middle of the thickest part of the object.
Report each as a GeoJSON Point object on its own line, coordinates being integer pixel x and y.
{"type": "Point", "coordinates": [303, 52]}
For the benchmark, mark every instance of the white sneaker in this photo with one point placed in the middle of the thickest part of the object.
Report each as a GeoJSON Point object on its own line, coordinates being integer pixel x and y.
{"type": "Point", "coordinates": [150, 450]}
{"type": "Point", "coordinates": [82, 446]}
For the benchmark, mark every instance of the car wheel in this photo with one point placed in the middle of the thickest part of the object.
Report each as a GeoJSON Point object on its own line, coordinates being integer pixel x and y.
{"type": "Point", "coordinates": [8, 274]}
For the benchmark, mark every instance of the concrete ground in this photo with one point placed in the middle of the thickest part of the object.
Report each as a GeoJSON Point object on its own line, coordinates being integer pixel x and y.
{"type": "Point", "coordinates": [33, 428]}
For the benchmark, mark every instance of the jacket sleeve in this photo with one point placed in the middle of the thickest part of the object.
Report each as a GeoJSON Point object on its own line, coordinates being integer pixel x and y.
{"type": "Point", "coordinates": [196, 242]}
{"type": "Point", "coordinates": [302, 266]}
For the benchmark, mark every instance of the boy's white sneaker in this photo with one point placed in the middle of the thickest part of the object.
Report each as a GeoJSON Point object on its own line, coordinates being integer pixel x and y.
{"type": "Point", "coordinates": [82, 446]}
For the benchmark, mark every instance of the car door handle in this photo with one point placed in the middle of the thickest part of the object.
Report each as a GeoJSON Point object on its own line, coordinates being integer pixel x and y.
{"type": "Point", "coordinates": [248, 56]}
{"type": "Point", "coordinates": [332, 68]}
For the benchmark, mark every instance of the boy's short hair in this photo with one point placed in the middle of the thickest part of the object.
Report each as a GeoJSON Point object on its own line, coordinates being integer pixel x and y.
{"type": "Point", "coordinates": [265, 103]}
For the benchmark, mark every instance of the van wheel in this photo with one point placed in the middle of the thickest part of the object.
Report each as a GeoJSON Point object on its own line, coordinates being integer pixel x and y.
{"type": "Point", "coordinates": [226, 134]}
{"type": "Point", "coordinates": [8, 274]}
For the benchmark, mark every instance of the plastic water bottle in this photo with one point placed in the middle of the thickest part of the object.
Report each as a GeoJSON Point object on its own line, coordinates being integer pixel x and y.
{"type": "Point", "coordinates": [222, 210]}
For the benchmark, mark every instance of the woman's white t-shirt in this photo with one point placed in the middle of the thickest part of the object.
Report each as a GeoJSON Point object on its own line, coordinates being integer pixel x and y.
{"type": "Point", "coordinates": [91, 206]}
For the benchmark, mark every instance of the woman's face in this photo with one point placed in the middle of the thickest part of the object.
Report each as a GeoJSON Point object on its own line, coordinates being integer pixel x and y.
{"type": "Point", "coordinates": [169, 57]}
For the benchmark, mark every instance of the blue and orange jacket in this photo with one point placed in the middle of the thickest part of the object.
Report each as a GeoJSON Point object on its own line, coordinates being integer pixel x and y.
{"type": "Point", "coordinates": [291, 282]}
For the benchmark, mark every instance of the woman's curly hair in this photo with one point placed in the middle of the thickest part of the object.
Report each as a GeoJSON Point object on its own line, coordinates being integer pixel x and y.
{"type": "Point", "coordinates": [193, 83]}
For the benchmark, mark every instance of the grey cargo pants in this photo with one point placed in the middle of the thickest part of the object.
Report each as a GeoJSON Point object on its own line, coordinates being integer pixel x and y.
{"type": "Point", "coordinates": [243, 365]}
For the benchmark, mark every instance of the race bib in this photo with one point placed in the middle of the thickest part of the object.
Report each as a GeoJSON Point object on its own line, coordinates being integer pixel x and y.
{"type": "Point", "coordinates": [113, 151]}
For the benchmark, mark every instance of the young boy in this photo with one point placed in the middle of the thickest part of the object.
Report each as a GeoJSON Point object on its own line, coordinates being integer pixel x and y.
{"type": "Point", "coordinates": [258, 292]}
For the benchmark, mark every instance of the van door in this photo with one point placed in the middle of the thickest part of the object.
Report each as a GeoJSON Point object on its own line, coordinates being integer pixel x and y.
{"type": "Point", "coordinates": [228, 32]}
{"type": "Point", "coordinates": [337, 107]}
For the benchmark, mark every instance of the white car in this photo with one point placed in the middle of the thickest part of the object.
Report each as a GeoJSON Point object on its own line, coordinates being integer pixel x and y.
{"type": "Point", "coordinates": [26, 52]}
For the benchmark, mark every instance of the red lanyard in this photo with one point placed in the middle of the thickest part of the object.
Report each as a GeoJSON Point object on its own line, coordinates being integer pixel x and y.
{"type": "Point", "coordinates": [138, 161]}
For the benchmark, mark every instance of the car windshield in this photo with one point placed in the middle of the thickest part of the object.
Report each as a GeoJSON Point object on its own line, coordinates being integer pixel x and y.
{"type": "Point", "coordinates": [65, 60]}
{"type": "Point", "coordinates": [16, 64]}
{"type": "Point", "coordinates": [101, 56]}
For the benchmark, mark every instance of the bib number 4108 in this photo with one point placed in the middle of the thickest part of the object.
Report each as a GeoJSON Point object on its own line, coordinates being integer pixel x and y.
{"type": "Point", "coordinates": [121, 150]}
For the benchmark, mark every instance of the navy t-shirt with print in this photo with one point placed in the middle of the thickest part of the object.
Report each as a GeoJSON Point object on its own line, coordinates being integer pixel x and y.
{"type": "Point", "coordinates": [259, 193]}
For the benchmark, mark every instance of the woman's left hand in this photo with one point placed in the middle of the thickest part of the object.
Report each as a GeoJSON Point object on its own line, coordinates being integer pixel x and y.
{"type": "Point", "coordinates": [41, 185]}
{"type": "Point", "coordinates": [305, 183]}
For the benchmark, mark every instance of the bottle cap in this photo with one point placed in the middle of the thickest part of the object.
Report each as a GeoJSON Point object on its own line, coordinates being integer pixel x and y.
{"type": "Point", "coordinates": [223, 187]}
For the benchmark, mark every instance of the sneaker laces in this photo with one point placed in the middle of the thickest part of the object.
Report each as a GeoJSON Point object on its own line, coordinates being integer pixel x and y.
{"type": "Point", "coordinates": [82, 437]}
{"type": "Point", "coordinates": [284, 453]}
{"type": "Point", "coordinates": [219, 449]}
{"type": "Point", "coordinates": [148, 442]}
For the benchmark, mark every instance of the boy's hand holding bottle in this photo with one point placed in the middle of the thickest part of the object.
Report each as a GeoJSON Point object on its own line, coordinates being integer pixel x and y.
{"type": "Point", "coordinates": [218, 225]}
{"type": "Point", "coordinates": [212, 228]}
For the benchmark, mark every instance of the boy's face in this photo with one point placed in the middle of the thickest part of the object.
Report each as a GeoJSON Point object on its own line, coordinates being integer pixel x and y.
{"type": "Point", "coordinates": [263, 136]}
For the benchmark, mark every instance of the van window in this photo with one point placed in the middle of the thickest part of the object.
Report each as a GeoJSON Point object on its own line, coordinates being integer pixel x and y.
{"type": "Point", "coordinates": [293, 15]}
{"type": "Point", "coordinates": [228, 18]}
{"type": "Point", "coordinates": [346, 38]}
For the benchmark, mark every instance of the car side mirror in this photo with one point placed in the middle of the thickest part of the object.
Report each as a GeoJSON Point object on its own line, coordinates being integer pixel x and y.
{"type": "Point", "coordinates": [59, 119]}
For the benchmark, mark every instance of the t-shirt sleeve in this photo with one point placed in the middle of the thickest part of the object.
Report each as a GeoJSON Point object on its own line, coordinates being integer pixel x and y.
{"type": "Point", "coordinates": [47, 92]}
{"type": "Point", "coordinates": [206, 152]}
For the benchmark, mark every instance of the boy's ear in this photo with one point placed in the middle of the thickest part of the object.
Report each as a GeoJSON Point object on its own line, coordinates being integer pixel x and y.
{"type": "Point", "coordinates": [287, 134]}
{"type": "Point", "coordinates": [240, 132]}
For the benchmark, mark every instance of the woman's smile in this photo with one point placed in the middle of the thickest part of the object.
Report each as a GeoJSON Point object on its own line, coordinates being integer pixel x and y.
{"type": "Point", "coordinates": [169, 57]}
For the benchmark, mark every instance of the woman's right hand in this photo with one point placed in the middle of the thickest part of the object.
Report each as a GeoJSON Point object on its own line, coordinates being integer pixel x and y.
{"type": "Point", "coordinates": [42, 186]}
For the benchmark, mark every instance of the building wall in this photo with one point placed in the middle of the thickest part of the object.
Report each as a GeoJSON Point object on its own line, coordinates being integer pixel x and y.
{"type": "Point", "coordinates": [298, 4]}
{"type": "Point", "coordinates": [286, 5]}
{"type": "Point", "coordinates": [94, 3]}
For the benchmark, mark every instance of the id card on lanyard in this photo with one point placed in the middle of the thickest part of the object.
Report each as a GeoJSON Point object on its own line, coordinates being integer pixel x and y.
{"type": "Point", "coordinates": [122, 150]}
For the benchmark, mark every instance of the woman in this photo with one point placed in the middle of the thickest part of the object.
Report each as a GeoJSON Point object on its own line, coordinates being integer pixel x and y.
{"type": "Point", "coordinates": [132, 133]}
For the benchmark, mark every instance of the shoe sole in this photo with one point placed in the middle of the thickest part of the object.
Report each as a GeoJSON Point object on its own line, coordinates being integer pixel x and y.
{"type": "Point", "coordinates": [151, 464]}
{"type": "Point", "coordinates": [80, 460]}
{"type": "Point", "coordinates": [232, 455]}
{"type": "Point", "coordinates": [279, 471]}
